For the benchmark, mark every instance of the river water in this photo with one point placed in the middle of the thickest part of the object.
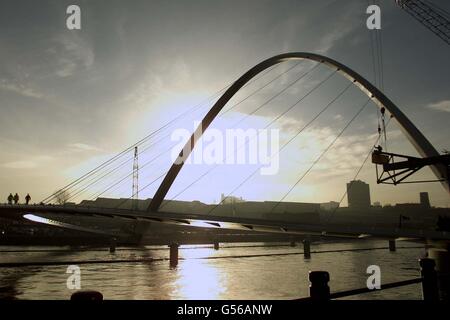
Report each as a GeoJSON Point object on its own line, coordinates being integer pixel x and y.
{"type": "Point", "coordinates": [235, 271]}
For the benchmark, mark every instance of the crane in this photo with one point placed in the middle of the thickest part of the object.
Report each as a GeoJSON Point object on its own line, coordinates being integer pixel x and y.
{"type": "Point", "coordinates": [436, 19]}
{"type": "Point", "coordinates": [395, 168]}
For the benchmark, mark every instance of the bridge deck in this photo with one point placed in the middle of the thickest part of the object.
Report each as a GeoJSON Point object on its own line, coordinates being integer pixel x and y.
{"type": "Point", "coordinates": [236, 223]}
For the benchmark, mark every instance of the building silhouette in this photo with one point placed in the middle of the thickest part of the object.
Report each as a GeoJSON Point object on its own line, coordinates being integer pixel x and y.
{"type": "Point", "coordinates": [230, 199]}
{"type": "Point", "coordinates": [425, 199]}
{"type": "Point", "coordinates": [358, 194]}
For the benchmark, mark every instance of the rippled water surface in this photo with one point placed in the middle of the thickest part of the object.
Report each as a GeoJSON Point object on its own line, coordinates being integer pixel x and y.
{"type": "Point", "coordinates": [236, 271]}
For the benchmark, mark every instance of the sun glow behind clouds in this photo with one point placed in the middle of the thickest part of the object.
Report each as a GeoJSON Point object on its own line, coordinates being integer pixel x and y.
{"type": "Point", "coordinates": [329, 175]}
{"type": "Point", "coordinates": [223, 178]}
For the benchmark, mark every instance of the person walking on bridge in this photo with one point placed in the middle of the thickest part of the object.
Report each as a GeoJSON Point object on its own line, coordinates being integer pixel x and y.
{"type": "Point", "coordinates": [10, 198]}
{"type": "Point", "coordinates": [27, 198]}
{"type": "Point", "coordinates": [16, 198]}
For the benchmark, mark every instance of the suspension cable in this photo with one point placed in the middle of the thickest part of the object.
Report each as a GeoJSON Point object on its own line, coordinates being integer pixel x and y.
{"type": "Point", "coordinates": [235, 105]}
{"type": "Point", "coordinates": [123, 178]}
{"type": "Point", "coordinates": [281, 92]}
{"type": "Point", "coordinates": [268, 125]}
{"type": "Point", "coordinates": [98, 179]}
{"type": "Point", "coordinates": [380, 53]}
{"type": "Point", "coordinates": [143, 140]}
{"type": "Point", "coordinates": [321, 155]}
{"type": "Point", "coordinates": [259, 89]}
{"type": "Point", "coordinates": [119, 155]}
{"type": "Point", "coordinates": [356, 175]}
{"type": "Point", "coordinates": [287, 143]}
{"type": "Point", "coordinates": [276, 95]}
{"type": "Point", "coordinates": [142, 189]}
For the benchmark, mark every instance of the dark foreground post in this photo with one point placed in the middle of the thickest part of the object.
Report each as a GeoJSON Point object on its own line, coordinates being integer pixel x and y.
{"type": "Point", "coordinates": [86, 295]}
{"type": "Point", "coordinates": [306, 249]}
{"type": "Point", "coordinates": [430, 291]}
{"type": "Point", "coordinates": [318, 288]}
{"type": "Point", "coordinates": [441, 256]}
{"type": "Point", "coordinates": [392, 247]}
{"type": "Point", "coordinates": [216, 245]}
{"type": "Point", "coordinates": [173, 254]}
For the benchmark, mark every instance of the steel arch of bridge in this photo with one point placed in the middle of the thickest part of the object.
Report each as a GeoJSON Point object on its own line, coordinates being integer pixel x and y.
{"type": "Point", "coordinates": [417, 139]}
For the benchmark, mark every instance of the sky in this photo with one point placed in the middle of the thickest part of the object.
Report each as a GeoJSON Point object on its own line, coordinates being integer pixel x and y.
{"type": "Point", "coordinates": [71, 99]}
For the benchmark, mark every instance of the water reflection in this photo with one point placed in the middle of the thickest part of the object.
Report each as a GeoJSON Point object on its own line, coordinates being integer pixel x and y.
{"type": "Point", "coordinates": [224, 275]}
{"type": "Point", "coordinates": [199, 279]}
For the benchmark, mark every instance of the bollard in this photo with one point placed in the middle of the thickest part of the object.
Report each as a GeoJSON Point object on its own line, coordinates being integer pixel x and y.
{"type": "Point", "coordinates": [318, 288]}
{"type": "Point", "coordinates": [216, 245]}
{"type": "Point", "coordinates": [293, 244]}
{"type": "Point", "coordinates": [441, 256]}
{"type": "Point", "coordinates": [173, 254]}
{"type": "Point", "coordinates": [86, 295]}
{"type": "Point", "coordinates": [306, 249]}
{"type": "Point", "coordinates": [392, 247]}
{"type": "Point", "coordinates": [430, 291]}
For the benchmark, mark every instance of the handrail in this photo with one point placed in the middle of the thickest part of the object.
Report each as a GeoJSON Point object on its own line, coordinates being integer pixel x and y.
{"type": "Point", "coordinates": [353, 292]}
{"type": "Point", "coordinates": [390, 285]}
{"type": "Point", "coordinates": [320, 291]}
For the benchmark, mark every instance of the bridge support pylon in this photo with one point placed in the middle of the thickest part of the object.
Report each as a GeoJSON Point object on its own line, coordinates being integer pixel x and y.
{"type": "Point", "coordinates": [392, 246]}
{"type": "Point", "coordinates": [173, 254]}
{"type": "Point", "coordinates": [307, 249]}
{"type": "Point", "coordinates": [112, 245]}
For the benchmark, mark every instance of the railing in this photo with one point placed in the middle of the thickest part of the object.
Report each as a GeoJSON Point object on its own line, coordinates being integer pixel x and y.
{"type": "Point", "coordinates": [320, 291]}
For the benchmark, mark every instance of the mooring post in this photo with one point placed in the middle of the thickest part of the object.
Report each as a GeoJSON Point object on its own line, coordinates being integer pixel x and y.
{"type": "Point", "coordinates": [216, 245]}
{"type": "Point", "coordinates": [306, 249]}
{"type": "Point", "coordinates": [392, 247]}
{"type": "Point", "coordinates": [318, 288]}
{"type": "Point", "coordinates": [441, 256]}
{"type": "Point", "coordinates": [173, 254]}
{"type": "Point", "coordinates": [430, 291]}
{"type": "Point", "coordinates": [86, 295]}
{"type": "Point", "coordinates": [293, 244]}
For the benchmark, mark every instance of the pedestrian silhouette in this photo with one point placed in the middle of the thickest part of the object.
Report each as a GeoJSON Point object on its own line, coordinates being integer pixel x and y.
{"type": "Point", "coordinates": [10, 198]}
{"type": "Point", "coordinates": [16, 198]}
{"type": "Point", "coordinates": [27, 198]}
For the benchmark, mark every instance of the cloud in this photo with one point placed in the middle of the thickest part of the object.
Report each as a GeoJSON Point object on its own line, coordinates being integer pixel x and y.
{"type": "Point", "coordinates": [30, 163]}
{"type": "Point", "coordinates": [339, 27]}
{"type": "Point", "coordinates": [83, 147]}
{"type": "Point", "coordinates": [20, 89]}
{"type": "Point", "coordinates": [161, 80]}
{"type": "Point", "coordinates": [66, 68]}
{"type": "Point", "coordinates": [20, 165]}
{"type": "Point", "coordinates": [341, 160]}
{"type": "Point", "coordinates": [71, 54]}
{"type": "Point", "coordinates": [328, 41]}
{"type": "Point", "coordinates": [443, 105]}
